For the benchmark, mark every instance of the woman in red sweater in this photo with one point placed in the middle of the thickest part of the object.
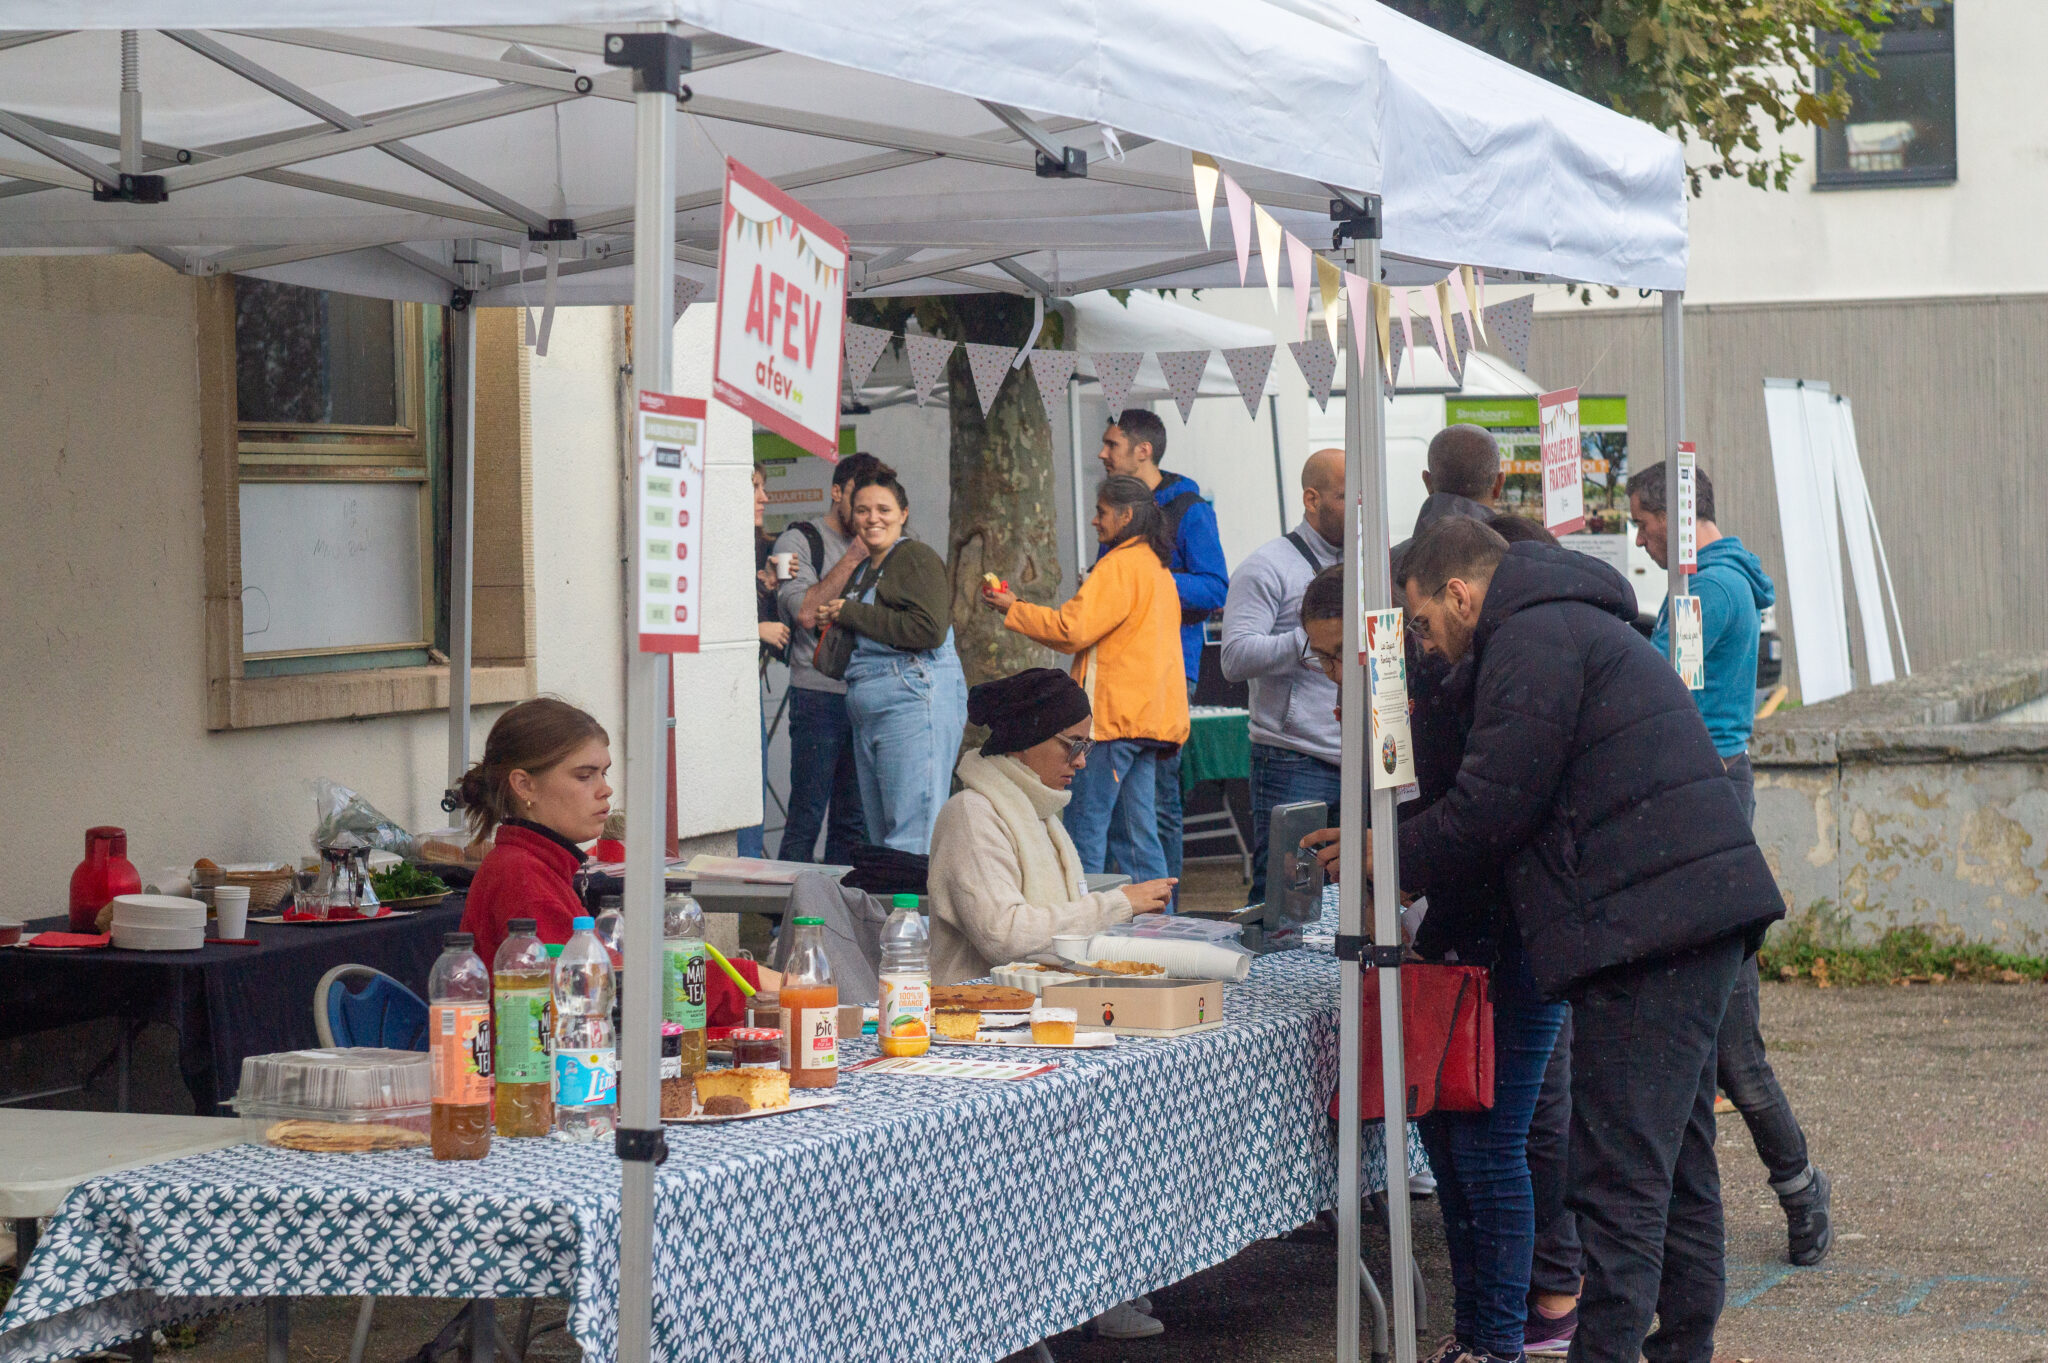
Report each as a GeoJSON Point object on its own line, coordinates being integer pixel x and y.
{"type": "Point", "coordinates": [541, 788]}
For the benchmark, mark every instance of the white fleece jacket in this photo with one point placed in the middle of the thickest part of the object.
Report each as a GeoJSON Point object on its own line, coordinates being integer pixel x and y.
{"type": "Point", "coordinates": [1004, 874]}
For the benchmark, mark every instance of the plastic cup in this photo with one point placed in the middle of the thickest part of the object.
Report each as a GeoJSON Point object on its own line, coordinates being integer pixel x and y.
{"type": "Point", "coordinates": [784, 564]}
{"type": "Point", "coordinates": [231, 911]}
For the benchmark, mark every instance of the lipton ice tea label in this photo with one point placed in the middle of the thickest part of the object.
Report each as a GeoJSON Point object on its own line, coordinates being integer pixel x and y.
{"type": "Point", "coordinates": [460, 1037]}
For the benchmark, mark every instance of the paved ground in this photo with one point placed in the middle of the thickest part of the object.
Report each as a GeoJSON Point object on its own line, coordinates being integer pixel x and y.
{"type": "Point", "coordinates": [1929, 1106]}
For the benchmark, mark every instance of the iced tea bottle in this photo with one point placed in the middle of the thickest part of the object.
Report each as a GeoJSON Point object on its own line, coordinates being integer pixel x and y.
{"type": "Point", "coordinates": [810, 1009]}
{"type": "Point", "coordinates": [522, 997]}
{"type": "Point", "coordinates": [459, 1035]}
{"type": "Point", "coordinates": [683, 996]}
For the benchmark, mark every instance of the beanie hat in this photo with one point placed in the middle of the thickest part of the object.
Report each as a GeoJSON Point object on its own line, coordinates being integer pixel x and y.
{"type": "Point", "coordinates": [1024, 710]}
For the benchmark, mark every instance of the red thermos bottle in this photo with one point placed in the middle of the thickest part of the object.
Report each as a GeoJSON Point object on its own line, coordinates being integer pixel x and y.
{"type": "Point", "coordinates": [105, 873]}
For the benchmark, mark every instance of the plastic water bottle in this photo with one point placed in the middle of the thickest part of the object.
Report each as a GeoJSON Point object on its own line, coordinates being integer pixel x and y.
{"type": "Point", "coordinates": [586, 1046]}
{"type": "Point", "coordinates": [906, 1011]}
{"type": "Point", "coordinates": [522, 985]}
{"type": "Point", "coordinates": [459, 1035]}
{"type": "Point", "coordinates": [683, 998]}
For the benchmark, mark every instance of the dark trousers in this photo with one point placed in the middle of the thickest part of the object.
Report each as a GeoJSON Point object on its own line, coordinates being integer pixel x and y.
{"type": "Point", "coordinates": [822, 777]}
{"type": "Point", "coordinates": [1281, 776]}
{"type": "Point", "coordinates": [1167, 806]}
{"type": "Point", "coordinates": [1643, 1182]}
{"type": "Point", "coordinates": [1482, 1178]}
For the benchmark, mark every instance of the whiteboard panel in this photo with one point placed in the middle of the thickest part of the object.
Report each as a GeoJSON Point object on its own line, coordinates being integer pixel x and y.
{"type": "Point", "coordinates": [1812, 541]}
{"type": "Point", "coordinates": [330, 565]}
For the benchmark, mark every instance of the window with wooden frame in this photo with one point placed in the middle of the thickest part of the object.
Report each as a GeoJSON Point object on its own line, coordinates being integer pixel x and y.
{"type": "Point", "coordinates": [328, 450]}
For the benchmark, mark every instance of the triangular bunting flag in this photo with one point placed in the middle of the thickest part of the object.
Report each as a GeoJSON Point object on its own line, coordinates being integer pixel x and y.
{"type": "Point", "coordinates": [928, 357]}
{"type": "Point", "coordinates": [1183, 370]}
{"type": "Point", "coordinates": [1329, 280]}
{"type": "Point", "coordinates": [687, 292]}
{"type": "Point", "coordinates": [1407, 332]}
{"type": "Point", "coordinates": [1463, 290]}
{"type": "Point", "coordinates": [1444, 313]}
{"type": "Point", "coordinates": [1358, 302]}
{"type": "Point", "coordinates": [1205, 192]}
{"type": "Point", "coordinates": [1116, 369]}
{"type": "Point", "coordinates": [1249, 365]}
{"type": "Point", "coordinates": [1240, 224]}
{"type": "Point", "coordinates": [988, 364]}
{"type": "Point", "coordinates": [1300, 273]}
{"type": "Point", "coordinates": [1317, 360]}
{"type": "Point", "coordinates": [1269, 251]}
{"type": "Point", "coordinates": [1397, 350]}
{"type": "Point", "coordinates": [864, 347]}
{"type": "Point", "coordinates": [1382, 325]}
{"type": "Point", "coordinates": [1479, 301]}
{"type": "Point", "coordinates": [1509, 325]}
{"type": "Point", "coordinates": [1052, 369]}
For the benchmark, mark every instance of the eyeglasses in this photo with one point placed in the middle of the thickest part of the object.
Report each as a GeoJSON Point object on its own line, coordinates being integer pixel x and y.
{"type": "Point", "coordinates": [1077, 748]}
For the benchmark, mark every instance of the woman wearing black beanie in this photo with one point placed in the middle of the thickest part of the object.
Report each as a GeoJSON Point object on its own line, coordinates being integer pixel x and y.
{"type": "Point", "coordinates": [1005, 877]}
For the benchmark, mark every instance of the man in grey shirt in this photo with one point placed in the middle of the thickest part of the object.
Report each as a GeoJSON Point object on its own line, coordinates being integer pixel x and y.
{"type": "Point", "coordinates": [821, 770]}
{"type": "Point", "coordinates": [1297, 752]}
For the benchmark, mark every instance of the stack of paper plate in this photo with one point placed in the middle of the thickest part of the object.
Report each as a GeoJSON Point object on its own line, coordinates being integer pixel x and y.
{"type": "Point", "coordinates": [159, 922]}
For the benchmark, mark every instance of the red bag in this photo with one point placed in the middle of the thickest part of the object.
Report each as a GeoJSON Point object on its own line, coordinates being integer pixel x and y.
{"type": "Point", "coordinates": [1447, 1041]}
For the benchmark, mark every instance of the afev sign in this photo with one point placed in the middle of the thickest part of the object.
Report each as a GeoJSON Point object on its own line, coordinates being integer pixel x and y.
{"type": "Point", "coordinates": [781, 313]}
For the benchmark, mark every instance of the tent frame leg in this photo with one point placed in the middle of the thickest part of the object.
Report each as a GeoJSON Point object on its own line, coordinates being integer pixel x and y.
{"type": "Point", "coordinates": [1677, 580]}
{"type": "Point", "coordinates": [462, 513]}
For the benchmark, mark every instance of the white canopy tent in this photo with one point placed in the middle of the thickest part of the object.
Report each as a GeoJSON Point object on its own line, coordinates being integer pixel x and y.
{"type": "Point", "coordinates": [333, 143]}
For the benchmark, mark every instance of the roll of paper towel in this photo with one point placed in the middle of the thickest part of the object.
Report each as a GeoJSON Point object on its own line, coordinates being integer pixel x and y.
{"type": "Point", "coordinates": [1184, 960]}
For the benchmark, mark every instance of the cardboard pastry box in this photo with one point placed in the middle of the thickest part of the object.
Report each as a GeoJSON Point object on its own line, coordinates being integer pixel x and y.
{"type": "Point", "coordinates": [1141, 1007]}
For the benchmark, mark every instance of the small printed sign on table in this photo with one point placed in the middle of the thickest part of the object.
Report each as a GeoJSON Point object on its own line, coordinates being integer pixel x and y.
{"type": "Point", "coordinates": [1564, 491]}
{"type": "Point", "coordinates": [1688, 646]}
{"type": "Point", "coordinates": [668, 507]}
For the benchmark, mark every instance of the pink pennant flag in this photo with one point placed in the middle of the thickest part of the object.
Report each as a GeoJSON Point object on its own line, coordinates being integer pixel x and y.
{"type": "Point", "coordinates": [1358, 302]}
{"type": "Point", "coordinates": [1250, 365]}
{"type": "Point", "coordinates": [1301, 273]}
{"type": "Point", "coordinates": [1205, 192]}
{"type": "Point", "coordinates": [928, 357]}
{"type": "Point", "coordinates": [1116, 369]}
{"type": "Point", "coordinates": [989, 365]}
{"type": "Point", "coordinates": [1183, 370]}
{"type": "Point", "coordinates": [1407, 331]}
{"type": "Point", "coordinates": [1317, 361]}
{"type": "Point", "coordinates": [1269, 252]}
{"type": "Point", "coordinates": [1240, 224]}
{"type": "Point", "coordinates": [864, 347]}
{"type": "Point", "coordinates": [1052, 369]}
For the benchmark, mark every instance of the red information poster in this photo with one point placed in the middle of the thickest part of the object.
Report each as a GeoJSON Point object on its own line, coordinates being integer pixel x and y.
{"type": "Point", "coordinates": [1564, 493]}
{"type": "Point", "coordinates": [781, 313]}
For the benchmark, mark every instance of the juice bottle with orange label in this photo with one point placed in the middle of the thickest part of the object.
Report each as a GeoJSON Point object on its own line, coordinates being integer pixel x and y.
{"type": "Point", "coordinates": [459, 1034]}
{"type": "Point", "coordinates": [810, 1009]}
{"type": "Point", "coordinates": [905, 1026]}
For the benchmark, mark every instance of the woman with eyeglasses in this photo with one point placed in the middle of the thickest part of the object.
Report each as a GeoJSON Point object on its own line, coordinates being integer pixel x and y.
{"type": "Point", "coordinates": [1005, 876]}
{"type": "Point", "coordinates": [1123, 628]}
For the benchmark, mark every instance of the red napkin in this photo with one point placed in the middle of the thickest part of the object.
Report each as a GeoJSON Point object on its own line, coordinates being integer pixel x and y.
{"type": "Point", "coordinates": [69, 939]}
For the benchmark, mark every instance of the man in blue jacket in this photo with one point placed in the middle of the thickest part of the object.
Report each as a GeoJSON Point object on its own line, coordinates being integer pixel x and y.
{"type": "Point", "coordinates": [1733, 590]}
{"type": "Point", "coordinates": [1133, 445]}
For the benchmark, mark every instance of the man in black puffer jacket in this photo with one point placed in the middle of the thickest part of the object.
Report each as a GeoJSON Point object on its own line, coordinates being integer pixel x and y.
{"type": "Point", "coordinates": [1590, 785]}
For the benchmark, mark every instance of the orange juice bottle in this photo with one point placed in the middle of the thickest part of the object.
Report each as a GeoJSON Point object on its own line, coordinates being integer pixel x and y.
{"type": "Point", "coordinates": [905, 1026]}
{"type": "Point", "coordinates": [810, 1010]}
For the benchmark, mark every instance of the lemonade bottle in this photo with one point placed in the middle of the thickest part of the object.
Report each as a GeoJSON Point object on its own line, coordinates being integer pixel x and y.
{"type": "Point", "coordinates": [522, 993]}
{"type": "Point", "coordinates": [906, 1012]}
{"type": "Point", "coordinates": [810, 1009]}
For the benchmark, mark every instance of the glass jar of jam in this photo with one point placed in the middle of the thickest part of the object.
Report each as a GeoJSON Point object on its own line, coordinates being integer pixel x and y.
{"type": "Point", "coordinates": [757, 1048]}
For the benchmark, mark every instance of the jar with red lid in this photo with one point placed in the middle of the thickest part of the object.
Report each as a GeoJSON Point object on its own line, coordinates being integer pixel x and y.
{"type": "Point", "coordinates": [757, 1048]}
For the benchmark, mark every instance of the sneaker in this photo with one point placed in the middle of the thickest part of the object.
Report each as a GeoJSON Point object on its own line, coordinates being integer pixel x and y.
{"type": "Point", "coordinates": [1447, 1350]}
{"type": "Point", "coordinates": [1809, 1225]}
{"type": "Point", "coordinates": [1142, 1304]}
{"type": "Point", "coordinates": [1550, 1336]}
{"type": "Point", "coordinates": [1125, 1322]}
{"type": "Point", "coordinates": [1422, 1183]}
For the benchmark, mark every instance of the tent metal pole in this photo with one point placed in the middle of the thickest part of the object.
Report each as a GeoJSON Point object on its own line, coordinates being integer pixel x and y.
{"type": "Point", "coordinates": [654, 269]}
{"type": "Point", "coordinates": [1080, 501]}
{"type": "Point", "coordinates": [1279, 472]}
{"type": "Point", "coordinates": [462, 512]}
{"type": "Point", "coordinates": [1676, 579]}
{"type": "Point", "coordinates": [1368, 583]}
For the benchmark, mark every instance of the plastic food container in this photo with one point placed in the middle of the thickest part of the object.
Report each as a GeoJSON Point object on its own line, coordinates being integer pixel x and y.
{"type": "Point", "coordinates": [350, 1085]}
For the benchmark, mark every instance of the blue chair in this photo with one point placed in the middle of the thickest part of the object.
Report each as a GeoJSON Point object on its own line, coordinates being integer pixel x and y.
{"type": "Point", "coordinates": [382, 1012]}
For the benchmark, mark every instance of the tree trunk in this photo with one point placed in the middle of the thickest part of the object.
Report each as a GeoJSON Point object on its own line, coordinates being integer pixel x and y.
{"type": "Point", "coordinates": [1004, 510]}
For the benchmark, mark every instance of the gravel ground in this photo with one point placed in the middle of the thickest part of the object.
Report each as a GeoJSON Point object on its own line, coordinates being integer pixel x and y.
{"type": "Point", "coordinates": [1926, 1106]}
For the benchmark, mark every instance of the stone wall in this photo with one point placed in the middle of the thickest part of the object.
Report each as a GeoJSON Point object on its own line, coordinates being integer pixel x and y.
{"type": "Point", "coordinates": [1920, 802]}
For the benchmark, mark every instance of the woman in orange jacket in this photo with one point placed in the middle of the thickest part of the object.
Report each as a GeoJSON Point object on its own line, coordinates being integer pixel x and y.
{"type": "Point", "coordinates": [1123, 628]}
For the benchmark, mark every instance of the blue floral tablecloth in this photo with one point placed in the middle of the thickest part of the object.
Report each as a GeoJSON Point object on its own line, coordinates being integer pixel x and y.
{"type": "Point", "coordinates": [949, 1219]}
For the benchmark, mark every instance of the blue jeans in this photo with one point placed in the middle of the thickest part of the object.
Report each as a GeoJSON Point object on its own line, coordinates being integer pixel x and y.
{"type": "Point", "coordinates": [1482, 1177]}
{"type": "Point", "coordinates": [1167, 800]}
{"type": "Point", "coordinates": [1281, 776]}
{"type": "Point", "coordinates": [1113, 816]}
{"type": "Point", "coordinates": [822, 776]}
{"type": "Point", "coordinates": [908, 714]}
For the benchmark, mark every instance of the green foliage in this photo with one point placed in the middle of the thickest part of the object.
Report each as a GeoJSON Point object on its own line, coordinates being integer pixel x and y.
{"type": "Point", "coordinates": [1712, 72]}
{"type": "Point", "coordinates": [1815, 947]}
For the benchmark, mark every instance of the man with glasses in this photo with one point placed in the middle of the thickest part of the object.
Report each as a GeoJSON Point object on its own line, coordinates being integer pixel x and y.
{"type": "Point", "coordinates": [1297, 753]}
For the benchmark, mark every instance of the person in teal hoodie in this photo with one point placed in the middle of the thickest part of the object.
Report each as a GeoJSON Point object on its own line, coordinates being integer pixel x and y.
{"type": "Point", "coordinates": [1733, 589]}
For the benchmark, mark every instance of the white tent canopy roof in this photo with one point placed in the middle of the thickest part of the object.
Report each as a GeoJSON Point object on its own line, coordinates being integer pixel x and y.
{"type": "Point", "coordinates": [897, 120]}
